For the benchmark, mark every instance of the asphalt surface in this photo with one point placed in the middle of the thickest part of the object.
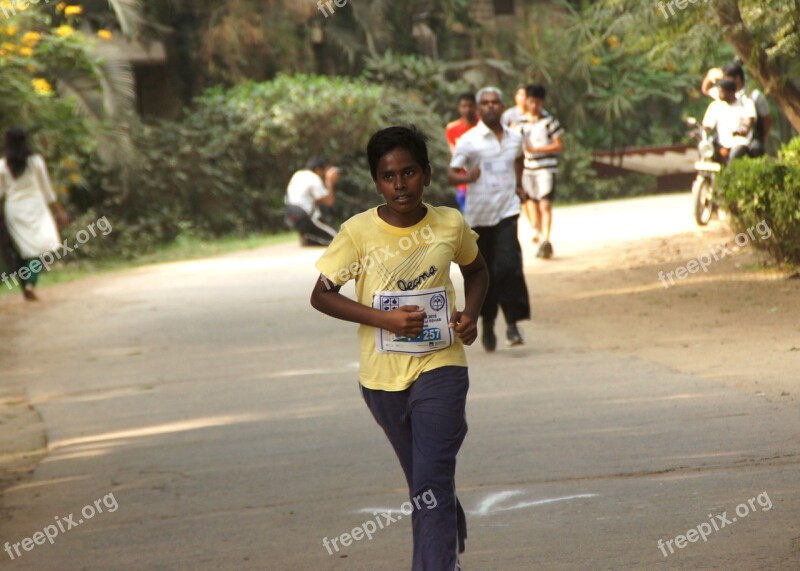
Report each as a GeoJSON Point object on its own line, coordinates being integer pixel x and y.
{"type": "Point", "coordinates": [217, 419]}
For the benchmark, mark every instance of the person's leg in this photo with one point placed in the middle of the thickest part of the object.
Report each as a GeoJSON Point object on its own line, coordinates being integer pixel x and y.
{"type": "Point", "coordinates": [546, 210]}
{"type": "Point", "coordinates": [547, 185]}
{"type": "Point", "coordinates": [313, 232]}
{"type": "Point", "coordinates": [438, 428]}
{"type": "Point", "coordinates": [486, 245]}
{"type": "Point", "coordinates": [390, 411]}
{"type": "Point", "coordinates": [512, 293]}
{"type": "Point", "coordinates": [527, 211]}
{"type": "Point", "coordinates": [738, 152]}
{"type": "Point", "coordinates": [319, 232]}
{"type": "Point", "coordinates": [756, 149]}
{"type": "Point", "coordinates": [529, 206]}
{"type": "Point", "coordinates": [393, 412]}
{"type": "Point", "coordinates": [537, 219]}
{"type": "Point", "coordinates": [29, 283]}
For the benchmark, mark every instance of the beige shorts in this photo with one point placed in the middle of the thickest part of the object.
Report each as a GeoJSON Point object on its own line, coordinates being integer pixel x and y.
{"type": "Point", "coordinates": [539, 185]}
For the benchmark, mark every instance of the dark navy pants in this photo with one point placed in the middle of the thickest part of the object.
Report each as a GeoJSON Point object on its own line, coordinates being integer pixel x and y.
{"type": "Point", "coordinates": [426, 425]}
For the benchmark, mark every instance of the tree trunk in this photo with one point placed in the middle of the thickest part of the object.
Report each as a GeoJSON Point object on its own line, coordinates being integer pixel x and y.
{"type": "Point", "coordinates": [781, 88]}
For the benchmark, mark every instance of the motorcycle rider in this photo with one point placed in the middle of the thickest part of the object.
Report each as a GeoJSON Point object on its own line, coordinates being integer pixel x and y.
{"type": "Point", "coordinates": [763, 124]}
{"type": "Point", "coordinates": [733, 119]}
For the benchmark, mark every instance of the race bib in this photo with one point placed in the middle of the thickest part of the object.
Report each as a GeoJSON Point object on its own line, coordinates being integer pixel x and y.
{"type": "Point", "coordinates": [499, 175]}
{"type": "Point", "coordinates": [436, 333]}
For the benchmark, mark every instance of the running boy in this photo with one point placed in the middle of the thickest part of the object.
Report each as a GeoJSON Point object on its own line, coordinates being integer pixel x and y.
{"type": "Point", "coordinates": [543, 143]}
{"type": "Point", "coordinates": [413, 372]}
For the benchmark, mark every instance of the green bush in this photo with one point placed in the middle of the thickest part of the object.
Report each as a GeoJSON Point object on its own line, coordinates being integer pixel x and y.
{"type": "Point", "coordinates": [223, 170]}
{"type": "Point", "coordinates": [427, 78]}
{"type": "Point", "coordinates": [279, 124]}
{"type": "Point", "coordinates": [768, 190]}
{"type": "Point", "coordinates": [791, 151]}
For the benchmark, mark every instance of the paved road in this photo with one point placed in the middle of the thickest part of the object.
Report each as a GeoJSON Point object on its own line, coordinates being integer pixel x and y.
{"type": "Point", "coordinates": [218, 416]}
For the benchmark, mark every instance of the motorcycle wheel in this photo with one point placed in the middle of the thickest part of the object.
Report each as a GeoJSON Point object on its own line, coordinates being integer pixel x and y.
{"type": "Point", "coordinates": [702, 195]}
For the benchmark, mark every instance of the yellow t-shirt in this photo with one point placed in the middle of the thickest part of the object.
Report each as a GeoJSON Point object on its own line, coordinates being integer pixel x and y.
{"type": "Point", "coordinates": [388, 261]}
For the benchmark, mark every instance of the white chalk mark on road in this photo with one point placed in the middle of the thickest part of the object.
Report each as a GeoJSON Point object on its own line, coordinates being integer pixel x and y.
{"type": "Point", "coordinates": [490, 504]}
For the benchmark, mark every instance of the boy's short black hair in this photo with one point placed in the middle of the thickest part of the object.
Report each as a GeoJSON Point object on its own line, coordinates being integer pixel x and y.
{"type": "Point", "coordinates": [734, 71]}
{"type": "Point", "coordinates": [536, 90]}
{"type": "Point", "coordinates": [316, 162]}
{"type": "Point", "coordinates": [410, 138]}
{"type": "Point", "coordinates": [467, 96]}
{"type": "Point", "coordinates": [727, 85]}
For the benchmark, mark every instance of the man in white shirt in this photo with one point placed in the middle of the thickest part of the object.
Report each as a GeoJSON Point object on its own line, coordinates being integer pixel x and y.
{"type": "Point", "coordinates": [733, 118]}
{"type": "Point", "coordinates": [763, 125]}
{"type": "Point", "coordinates": [308, 189]}
{"type": "Point", "coordinates": [491, 153]}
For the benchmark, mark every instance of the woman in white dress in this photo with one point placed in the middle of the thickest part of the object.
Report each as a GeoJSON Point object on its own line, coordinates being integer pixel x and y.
{"type": "Point", "coordinates": [31, 207]}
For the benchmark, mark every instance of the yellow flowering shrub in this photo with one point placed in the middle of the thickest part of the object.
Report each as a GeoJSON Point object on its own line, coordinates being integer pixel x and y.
{"type": "Point", "coordinates": [38, 43]}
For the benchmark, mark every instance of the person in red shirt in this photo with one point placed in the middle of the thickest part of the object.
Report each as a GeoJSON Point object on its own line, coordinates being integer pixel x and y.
{"type": "Point", "coordinates": [468, 110]}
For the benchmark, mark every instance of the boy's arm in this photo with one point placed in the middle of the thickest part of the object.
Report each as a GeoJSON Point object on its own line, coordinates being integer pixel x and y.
{"type": "Point", "coordinates": [406, 321]}
{"type": "Point", "coordinates": [557, 146]}
{"type": "Point", "coordinates": [476, 284]}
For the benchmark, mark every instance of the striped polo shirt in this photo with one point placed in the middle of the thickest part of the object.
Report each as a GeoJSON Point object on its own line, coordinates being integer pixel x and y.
{"type": "Point", "coordinates": [538, 133]}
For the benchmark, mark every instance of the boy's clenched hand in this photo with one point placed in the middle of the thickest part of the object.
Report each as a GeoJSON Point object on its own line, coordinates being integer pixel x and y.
{"type": "Point", "coordinates": [464, 326]}
{"type": "Point", "coordinates": [406, 321]}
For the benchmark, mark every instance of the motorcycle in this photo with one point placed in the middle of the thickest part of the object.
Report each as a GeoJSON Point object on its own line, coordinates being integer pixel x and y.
{"type": "Point", "coordinates": [704, 197]}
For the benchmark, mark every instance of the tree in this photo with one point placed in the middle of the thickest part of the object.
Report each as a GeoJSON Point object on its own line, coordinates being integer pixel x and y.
{"type": "Point", "coordinates": [770, 53]}
{"type": "Point", "coordinates": [765, 34]}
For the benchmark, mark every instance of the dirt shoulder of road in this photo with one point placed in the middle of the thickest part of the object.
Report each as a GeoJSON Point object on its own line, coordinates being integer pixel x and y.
{"type": "Point", "coordinates": [736, 323]}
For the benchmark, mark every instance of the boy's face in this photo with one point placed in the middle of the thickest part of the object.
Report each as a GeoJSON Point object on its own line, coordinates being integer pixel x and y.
{"type": "Point", "coordinates": [728, 96]}
{"type": "Point", "coordinates": [534, 105]}
{"type": "Point", "coordinates": [467, 109]}
{"type": "Point", "coordinates": [519, 97]}
{"type": "Point", "coordinates": [401, 180]}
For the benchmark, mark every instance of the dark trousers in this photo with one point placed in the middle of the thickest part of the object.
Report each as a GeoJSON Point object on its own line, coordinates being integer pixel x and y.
{"type": "Point", "coordinates": [738, 152]}
{"type": "Point", "coordinates": [33, 276]}
{"type": "Point", "coordinates": [500, 248]}
{"type": "Point", "coordinates": [426, 425]}
{"type": "Point", "coordinates": [313, 232]}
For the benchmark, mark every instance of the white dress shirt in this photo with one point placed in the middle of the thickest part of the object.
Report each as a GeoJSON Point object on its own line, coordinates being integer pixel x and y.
{"type": "Point", "coordinates": [493, 196]}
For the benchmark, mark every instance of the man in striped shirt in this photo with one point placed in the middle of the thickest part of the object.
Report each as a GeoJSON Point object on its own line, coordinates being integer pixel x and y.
{"type": "Point", "coordinates": [542, 135]}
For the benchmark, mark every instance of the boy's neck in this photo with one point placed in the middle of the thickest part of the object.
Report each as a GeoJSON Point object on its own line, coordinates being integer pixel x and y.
{"type": "Point", "coordinates": [404, 220]}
